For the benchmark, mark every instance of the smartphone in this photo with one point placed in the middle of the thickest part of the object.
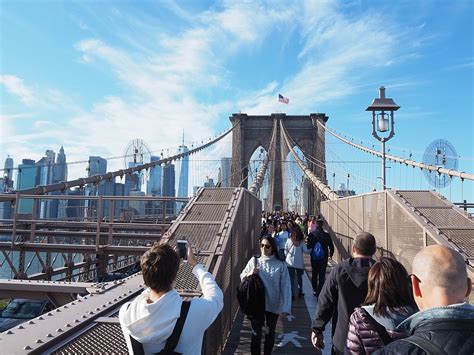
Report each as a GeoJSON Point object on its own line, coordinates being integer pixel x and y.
{"type": "Point", "coordinates": [182, 248]}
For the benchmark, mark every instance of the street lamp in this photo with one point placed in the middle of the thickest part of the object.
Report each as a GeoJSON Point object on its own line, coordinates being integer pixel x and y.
{"type": "Point", "coordinates": [382, 108]}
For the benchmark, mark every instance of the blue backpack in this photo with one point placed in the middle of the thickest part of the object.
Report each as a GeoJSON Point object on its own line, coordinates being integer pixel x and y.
{"type": "Point", "coordinates": [318, 252]}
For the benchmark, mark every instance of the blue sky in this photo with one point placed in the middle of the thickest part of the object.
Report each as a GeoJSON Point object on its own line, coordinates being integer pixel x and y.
{"type": "Point", "coordinates": [93, 75]}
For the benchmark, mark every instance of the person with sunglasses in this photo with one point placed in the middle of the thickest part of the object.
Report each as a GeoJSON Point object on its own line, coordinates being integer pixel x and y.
{"type": "Point", "coordinates": [276, 279]}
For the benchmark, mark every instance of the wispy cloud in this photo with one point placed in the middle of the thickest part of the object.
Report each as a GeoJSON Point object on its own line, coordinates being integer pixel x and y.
{"type": "Point", "coordinates": [17, 87]}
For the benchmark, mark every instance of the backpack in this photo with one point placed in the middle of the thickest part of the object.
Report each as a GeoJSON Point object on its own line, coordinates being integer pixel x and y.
{"type": "Point", "coordinates": [173, 339]}
{"type": "Point", "coordinates": [251, 297]}
{"type": "Point", "coordinates": [317, 253]}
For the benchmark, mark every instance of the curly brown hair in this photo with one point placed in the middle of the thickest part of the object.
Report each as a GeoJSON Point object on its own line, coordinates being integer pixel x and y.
{"type": "Point", "coordinates": [160, 266]}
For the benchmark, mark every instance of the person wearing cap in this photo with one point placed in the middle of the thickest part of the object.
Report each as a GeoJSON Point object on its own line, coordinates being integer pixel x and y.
{"type": "Point", "coordinates": [344, 290]}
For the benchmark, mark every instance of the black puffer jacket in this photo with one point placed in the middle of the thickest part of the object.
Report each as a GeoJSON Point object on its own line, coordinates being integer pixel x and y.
{"type": "Point", "coordinates": [449, 328]}
{"type": "Point", "coordinates": [344, 290]}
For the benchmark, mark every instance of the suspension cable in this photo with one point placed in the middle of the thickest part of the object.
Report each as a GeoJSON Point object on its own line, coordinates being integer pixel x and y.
{"type": "Point", "coordinates": [258, 181]}
{"type": "Point", "coordinates": [439, 170]}
{"type": "Point", "coordinates": [321, 186]}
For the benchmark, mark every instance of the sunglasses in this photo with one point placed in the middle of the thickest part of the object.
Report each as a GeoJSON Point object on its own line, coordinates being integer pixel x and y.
{"type": "Point", "coordinates": [266, 246]}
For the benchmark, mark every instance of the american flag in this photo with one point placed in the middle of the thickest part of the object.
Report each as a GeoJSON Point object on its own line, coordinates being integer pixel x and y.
{"type": "Point", "coordinates": [283, 99]}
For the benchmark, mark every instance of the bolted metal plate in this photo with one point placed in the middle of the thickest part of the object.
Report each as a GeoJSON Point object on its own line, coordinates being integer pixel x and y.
{"type": "Point", "coordinates": [464, 239]}
{"type": "Point", "coordinates": [422, 198]}
{"type": "Point", "coordinates": [201, 236]}
{"type": "Point", "coordinates": [206, 213]}
{"type": "Point", "coordinates": [446, 217]}
{"type": "Point", "coordinates": [218, 194]}
{"type": "Point", "coordinates": [101, 338]}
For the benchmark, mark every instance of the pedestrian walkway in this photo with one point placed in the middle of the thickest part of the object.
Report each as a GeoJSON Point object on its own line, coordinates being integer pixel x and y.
{"type": "Point", "coordinates": [293, 333]}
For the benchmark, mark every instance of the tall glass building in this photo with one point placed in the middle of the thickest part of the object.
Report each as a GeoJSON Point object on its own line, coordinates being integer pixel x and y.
{"type": "Point", "coordinates": [168, 186]}
{"type": "Point", "coordinates": [226, 163]}
{"type": "Point", "coordinates": [25, 179]}
{"type": "Point", "coordinates": [8, 177]}
{"type": "Point", "coordinates": [182, 172]}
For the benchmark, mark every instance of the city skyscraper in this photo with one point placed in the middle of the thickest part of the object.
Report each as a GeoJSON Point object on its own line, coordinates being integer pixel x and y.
{"type": "Point", "coordinates": [25, 179]}
{"type": "Point", "coordinates": [225, 171]}
{"type": "Point", "coordinates": [58, 207]}
{"type": "Point", "coordinates": [97, 166]}
{"type": "Point", "coordinates": [168, 186]}
{"type": "Point", "coordinates": [8, 174]}
{"type": "Point", "coordinates": [182, 172]}
{"type": "Point", "coordinates": [153, 187]}
{"type": "Point", "coordinates": [45, 168]}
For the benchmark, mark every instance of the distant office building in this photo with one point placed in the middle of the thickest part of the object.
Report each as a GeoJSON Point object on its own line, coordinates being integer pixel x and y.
{"type": "Point", "coordinates": [97, 166]}
{"type": "Point", "coordinates": [75, 208]}
{"type": "Point", "coordinates": [5, 207]}
{"type": "Point", "coordinates": [45, 168]}
{"type": "Point", "coordinates": [209, 182]}
{"type": "Point", "coordinates": [153, 187]}
{"type": "Point", "coordinates": [26, 178]}
{"type": "Point", "coordinates": [225, 171]}
{"type": "Point", "coordinates": [58, 207]}
{"type": "Point", "coordinates": [182, 171]}
{"type": "Point", "coordinates": [119, 190]}
{"type": "Point", "coordinates": [8, 174]}
{"type": "Point", "coordinates": [344, 191]}
{"type": "Point", "coordinates": [137, 205]}
{"type": "Point", "coordinates": [168, 186]}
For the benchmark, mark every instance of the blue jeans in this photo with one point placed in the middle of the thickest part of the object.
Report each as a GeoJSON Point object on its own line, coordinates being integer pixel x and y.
{"type": "Point", "coordinates": [296, 278]}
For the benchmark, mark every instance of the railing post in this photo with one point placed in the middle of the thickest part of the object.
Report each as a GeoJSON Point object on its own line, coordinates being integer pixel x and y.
{"type": "Point", "coordinates": [99, 218]}
{"type": "Point", "coordinates": [34, 213]}
{"type": "Point", "coordinates": [111, 221]}
{"type": "Point", "coordinates": [15, 217]}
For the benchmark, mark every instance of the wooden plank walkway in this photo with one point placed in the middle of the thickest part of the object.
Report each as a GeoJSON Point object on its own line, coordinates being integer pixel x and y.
{"type": "Point", "coordinates": [293, 334]}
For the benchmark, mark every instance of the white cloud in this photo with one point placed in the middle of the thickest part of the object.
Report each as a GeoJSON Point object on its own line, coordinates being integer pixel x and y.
{"type": "Point", "coordinates": [16, 86]}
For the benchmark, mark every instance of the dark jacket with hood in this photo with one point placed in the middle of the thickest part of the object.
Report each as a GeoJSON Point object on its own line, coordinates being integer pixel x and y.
{"type": "Point", "coordinates": [450, 329]}
{"type": "Point", "coordinates": [324, 238]}
{"type": "Point", "coordinates": [343, 291]}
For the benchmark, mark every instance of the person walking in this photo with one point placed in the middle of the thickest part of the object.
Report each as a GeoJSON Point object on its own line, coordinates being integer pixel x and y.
{"type": "Point", "coordinates": [274, 274]}
{"type": "Point", "coordinates": [148, 321]}
{"type": "Point", "coordinates": [345, 289]}
{"type": "Point", "coordinates": [445, 322]}
{"type": "Point", "coordinates": [294, 249]}
{"type": "Point", "coordinates": [389, 301]}
{"type": "Point", "coordinates": [281, 238]}
{"type": "Point", "coordinates": [322, 248]}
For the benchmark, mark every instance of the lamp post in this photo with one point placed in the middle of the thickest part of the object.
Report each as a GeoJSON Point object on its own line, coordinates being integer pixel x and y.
{"type": "Point", "coordinates": [382, 108]}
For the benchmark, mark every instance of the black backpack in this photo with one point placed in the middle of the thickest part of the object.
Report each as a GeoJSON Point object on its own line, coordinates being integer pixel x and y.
{"type": "Point", "coordinates": [251, 297]}
{"type": "Point", "coordinates": [172, 341]}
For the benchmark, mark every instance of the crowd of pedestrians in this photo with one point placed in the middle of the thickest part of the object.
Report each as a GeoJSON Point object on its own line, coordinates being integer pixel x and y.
{"type": "Point", "coordinates": [374, 306]}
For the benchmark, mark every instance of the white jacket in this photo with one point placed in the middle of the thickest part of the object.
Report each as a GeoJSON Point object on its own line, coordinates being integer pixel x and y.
{"type": "Point", "coordinates": [294, 254]}
{"type": "Point", "coordinates": [152, 324]}
{"type": "Point", "coordinates": [275, 277]}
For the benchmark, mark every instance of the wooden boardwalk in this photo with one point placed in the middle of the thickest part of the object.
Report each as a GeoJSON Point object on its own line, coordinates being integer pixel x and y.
{"type": "Point", "coordinates": [293, 333]}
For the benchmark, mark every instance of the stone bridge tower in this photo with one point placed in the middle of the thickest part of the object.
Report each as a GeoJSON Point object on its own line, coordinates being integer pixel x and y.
{"type": "Point", "coordinates": [254, 131]}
